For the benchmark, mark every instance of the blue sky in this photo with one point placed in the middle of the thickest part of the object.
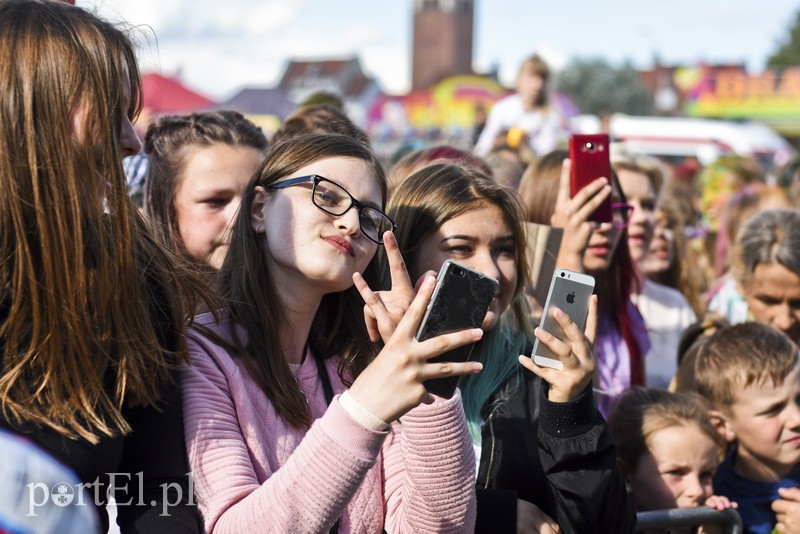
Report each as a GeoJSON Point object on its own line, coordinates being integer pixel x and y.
{"type": "Point", "coordinates": [219, 46]}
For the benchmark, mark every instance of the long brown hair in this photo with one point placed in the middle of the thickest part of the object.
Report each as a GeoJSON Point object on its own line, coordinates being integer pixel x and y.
{"type": "Point", "coordinates": [248, 290]}
{"type": "Point", "coordinates": [82, 284]}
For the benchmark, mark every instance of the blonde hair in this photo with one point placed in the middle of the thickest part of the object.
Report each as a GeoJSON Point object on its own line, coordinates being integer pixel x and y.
{"type": "Point", "coordinates": [642, 412]}
{"type": "Point", "coordinates": [739, 356]}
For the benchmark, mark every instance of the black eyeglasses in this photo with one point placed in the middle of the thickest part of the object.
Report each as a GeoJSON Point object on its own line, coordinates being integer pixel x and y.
{"type": "Point", "coordinates": [621, 214]}
{"type": "Point", "coordinates": [335, 200]}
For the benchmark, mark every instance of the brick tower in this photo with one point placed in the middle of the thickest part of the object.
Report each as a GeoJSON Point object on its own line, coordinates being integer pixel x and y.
{"type": "Point", "coordinates": [442, 42]}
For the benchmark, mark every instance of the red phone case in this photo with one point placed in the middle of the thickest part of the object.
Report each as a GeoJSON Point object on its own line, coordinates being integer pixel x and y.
{"type": "Point", "coordinates": [590, 160]}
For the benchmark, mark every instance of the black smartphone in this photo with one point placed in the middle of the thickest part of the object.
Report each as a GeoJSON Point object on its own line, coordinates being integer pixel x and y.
{"type": "Point", "coordinates": [460, 301]}
{"type": "Point", "coordinates": [570, 292]}
{"type": "Point", "coordinates": [589, 154]}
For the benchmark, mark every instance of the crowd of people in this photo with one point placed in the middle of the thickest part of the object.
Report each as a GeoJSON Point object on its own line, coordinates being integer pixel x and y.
{"type": "Point", "coordinates": [232, 346]}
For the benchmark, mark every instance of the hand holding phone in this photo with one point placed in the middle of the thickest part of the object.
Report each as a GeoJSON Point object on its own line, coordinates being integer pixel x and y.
{"type": "Point", "coordinates": [570, 292]}
{"type": "Point", "coordinates": [394, 381]}
{"type": "Point", "coordinates": [460, 300]}
{"type": "Point", "coordinates": [572, 364]}
{"type": "Point", "coordinates": [590, 159]}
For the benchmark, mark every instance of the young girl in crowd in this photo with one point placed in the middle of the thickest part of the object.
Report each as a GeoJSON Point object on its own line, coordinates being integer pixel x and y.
{"type": "Point", "coordinates": [276, 439]}
{"type": "Point", "coordinates": [199, 166]}
{"type": "Point", "coordinates": [91, 314]}
{"type": "Point", "coordinates": [545, 455]}
{"type": "Point", "coordinates": [668, 449]}
{"type": "Point", "coordinates": [665, 310]}
{"type": "Point", "coordinates": [529, 110]}
{"type": "Point", "coordinates": [601, 251]}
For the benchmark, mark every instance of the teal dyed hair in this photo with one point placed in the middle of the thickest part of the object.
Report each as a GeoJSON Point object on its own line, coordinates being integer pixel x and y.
{"type": "Point", "coordinates": [420, 205]}
{"type": "Point", "coordinates": [497, 351]}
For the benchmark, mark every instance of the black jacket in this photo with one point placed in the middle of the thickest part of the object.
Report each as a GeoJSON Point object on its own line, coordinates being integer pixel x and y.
{"type": "Point", "coordinates": [150, 462]}
{"type": "Point", "coordinates": [558, 456]}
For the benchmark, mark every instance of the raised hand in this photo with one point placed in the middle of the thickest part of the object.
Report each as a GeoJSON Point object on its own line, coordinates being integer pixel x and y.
{"type": "Point", "coordinates": [575, 356]}
{"type": "Point", "coordinates": [384, 309]}
{"type": "Point", "coordinates": [787, 511]}
{"type": "Point", "coordinates": [393, 383]}
{"type": "Point", "coordinates": [572, 214]}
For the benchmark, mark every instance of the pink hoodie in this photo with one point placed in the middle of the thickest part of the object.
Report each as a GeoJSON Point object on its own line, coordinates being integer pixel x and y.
{"type": "Point", "coordinates": [253, 472]}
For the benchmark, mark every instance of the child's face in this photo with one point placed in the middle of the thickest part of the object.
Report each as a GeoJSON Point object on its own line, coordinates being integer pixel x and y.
{"type": "Point", "coordinates": [480, 239]}
{"type": "Point", "coordinates": [765, 420]}
{"type": "Point", "coordinates": [208, 195]}
{"type": "Point", "coordinates": [308, 245]}
{"type": "Point", "coordinates": [676, 470]}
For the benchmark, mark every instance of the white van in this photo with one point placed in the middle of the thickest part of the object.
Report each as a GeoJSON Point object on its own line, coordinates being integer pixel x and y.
{"type": "Point", "coordinates": [674, 138]}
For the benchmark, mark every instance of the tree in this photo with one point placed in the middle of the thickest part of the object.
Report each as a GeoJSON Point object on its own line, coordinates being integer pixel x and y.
{"type": "Point", "coordinates": [598, 88]}
{"type": "Point", "coordinates": [788, 52]}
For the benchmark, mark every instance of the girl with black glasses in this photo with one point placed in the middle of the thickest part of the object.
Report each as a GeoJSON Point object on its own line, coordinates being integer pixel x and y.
{"type": "Point", "coordinates": [292, 413]}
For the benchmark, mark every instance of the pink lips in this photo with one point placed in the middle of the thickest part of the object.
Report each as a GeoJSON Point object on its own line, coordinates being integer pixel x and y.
{"type": "Point", "coordinates": [795, 441]}
{"type": "Point", "coordinates": [341, 244]}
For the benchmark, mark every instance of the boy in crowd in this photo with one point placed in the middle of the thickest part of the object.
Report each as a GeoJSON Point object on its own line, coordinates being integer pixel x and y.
{"type": "Point", "coordinates": [749, 374]}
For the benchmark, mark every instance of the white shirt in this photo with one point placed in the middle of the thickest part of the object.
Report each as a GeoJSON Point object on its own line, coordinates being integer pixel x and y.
{"type": "Point", "coordinates": [666, 314]}
{"type": "Point", "coordinates": [543, 127]}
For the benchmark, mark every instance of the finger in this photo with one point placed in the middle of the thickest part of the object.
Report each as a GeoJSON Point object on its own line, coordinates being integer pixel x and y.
{"type": "Point", "coordinates": [364, 290]}
{"type": "Point", "coordinates": [371, 299]}
{"type": "Point", "coordinates": [569, 326]}
{"type": "Point", "coordinates": [589, 191]}
{"type": "Point", "coordinates": [430, 371]}
{"type": "Point", "coordinates": [545, 373]}
{"type": "Point", "coordinates": [790, 494]}
{"type": "Point", "coordinates": [592, 199]}
{"type": "Point", "coordinates": [372, 324]}
{"type": "Point", "coordinates": [591, 321]}
{"type": "Point", "coordinates": [397, 266]}
{"type": "Point", "coordinates": [446, 342]}
{"type": "Point", "coordinates": [422, 278]}
{"type": "Point", "coordinates": [410, 322]}
{"type": "Point", "coordinates": [780, 506]}
{"type": "Point", "coordinates": [560, 348]}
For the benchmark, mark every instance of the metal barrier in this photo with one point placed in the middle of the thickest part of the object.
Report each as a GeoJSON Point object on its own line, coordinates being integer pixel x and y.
{"type": "Point", "coordinates": [689, 517]}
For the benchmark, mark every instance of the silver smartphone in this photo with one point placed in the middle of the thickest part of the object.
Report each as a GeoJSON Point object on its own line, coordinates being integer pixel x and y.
{"type": "Point", "coordinates": [570, 292]}
{"type": "Point", "coordinates": [460, 300]}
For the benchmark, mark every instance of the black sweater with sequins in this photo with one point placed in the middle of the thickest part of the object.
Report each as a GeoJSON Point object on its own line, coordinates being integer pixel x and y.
{"type": "Point", "coordinates": [558, 456]}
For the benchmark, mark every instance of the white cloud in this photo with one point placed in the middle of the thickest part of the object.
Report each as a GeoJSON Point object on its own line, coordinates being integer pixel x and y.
{"type": "Point", "coordinates": [220, 45]}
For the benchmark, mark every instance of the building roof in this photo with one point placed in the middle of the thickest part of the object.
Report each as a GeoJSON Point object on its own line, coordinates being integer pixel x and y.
{"type": "Point", "coordinates": [165, 94]}
{"type": "Point", "coordinates": [343, 74]}
{"type": "Point", "coordinates": [260, 101]}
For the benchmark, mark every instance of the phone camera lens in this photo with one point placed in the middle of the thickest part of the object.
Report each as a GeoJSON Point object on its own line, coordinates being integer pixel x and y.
{"type": "Point", "coordinates": [458, 271]}
{"type": "Point", "coordinates": [562, 275]}
{"type": "Point", "coordinates": [590, 146]}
